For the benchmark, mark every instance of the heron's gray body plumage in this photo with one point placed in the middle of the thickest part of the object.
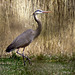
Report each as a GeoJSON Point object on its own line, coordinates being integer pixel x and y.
{"type": "Point", "coordinates": [22, 40]}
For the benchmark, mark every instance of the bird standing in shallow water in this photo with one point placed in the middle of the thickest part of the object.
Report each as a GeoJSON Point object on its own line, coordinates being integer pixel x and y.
{"type": "Point", "coordinates": [26, 37]}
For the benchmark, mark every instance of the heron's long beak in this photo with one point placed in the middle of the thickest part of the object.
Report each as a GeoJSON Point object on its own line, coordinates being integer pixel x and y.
{"type": "Point", "coordinates": [46, 11]}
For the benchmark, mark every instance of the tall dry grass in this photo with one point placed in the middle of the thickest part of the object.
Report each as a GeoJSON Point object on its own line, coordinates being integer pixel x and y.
{"type": "Point", "coordinates": [58, 28]}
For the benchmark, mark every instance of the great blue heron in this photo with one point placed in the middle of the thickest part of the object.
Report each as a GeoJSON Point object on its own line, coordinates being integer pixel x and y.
{"type": "Point", "coordinates": [26, 37]}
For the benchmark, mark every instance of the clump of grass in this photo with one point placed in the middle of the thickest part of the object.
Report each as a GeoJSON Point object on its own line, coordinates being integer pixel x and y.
{"type": "Point", "coordinates": [14, 56]}
{"type": "Point", "coordinates": [54, 58]}
{"type": "Point", "coordinates": [72, 58]}
{"type": "Point", "coordinates": [40, 57]}
{"type": "Point", "coordinates": [60, 58]}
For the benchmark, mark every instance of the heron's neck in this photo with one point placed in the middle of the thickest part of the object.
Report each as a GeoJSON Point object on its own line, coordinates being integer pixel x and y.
{"type": "Point", "coordinates": [38, 30]}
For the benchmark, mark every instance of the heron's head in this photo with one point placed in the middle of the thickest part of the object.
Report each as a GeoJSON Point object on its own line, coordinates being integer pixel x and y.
{"type": "Point", "coordinates": [40, 11]}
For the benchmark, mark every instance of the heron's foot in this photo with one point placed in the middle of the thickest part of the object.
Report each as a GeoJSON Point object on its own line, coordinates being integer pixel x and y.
{"type": "Point", "coordinates": [29, 61]}
{"type": "Point", "coordinates": [26, 59]}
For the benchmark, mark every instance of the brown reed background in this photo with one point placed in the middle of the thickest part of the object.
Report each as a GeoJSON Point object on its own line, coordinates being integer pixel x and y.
{"type": "Point", "coordinates": [58, 27]}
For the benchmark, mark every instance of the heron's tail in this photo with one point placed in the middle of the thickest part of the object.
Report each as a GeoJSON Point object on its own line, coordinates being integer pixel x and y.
{"type": "Point", "coordinates": [10, 48]}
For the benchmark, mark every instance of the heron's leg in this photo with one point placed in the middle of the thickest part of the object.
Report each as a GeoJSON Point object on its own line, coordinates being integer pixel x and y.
{"type": "Point", "coordinates": [18, 52]}
{"type": "Point", "coordinates": [28, 60]}
{"type": "Point", "coordinates": [21, 54]}
{"type": "Point", "coordinates": [25, 57]}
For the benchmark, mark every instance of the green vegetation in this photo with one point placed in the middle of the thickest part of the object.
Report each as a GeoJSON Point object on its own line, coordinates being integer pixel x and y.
{"type": "Point", "coordinates": [41, 65]}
